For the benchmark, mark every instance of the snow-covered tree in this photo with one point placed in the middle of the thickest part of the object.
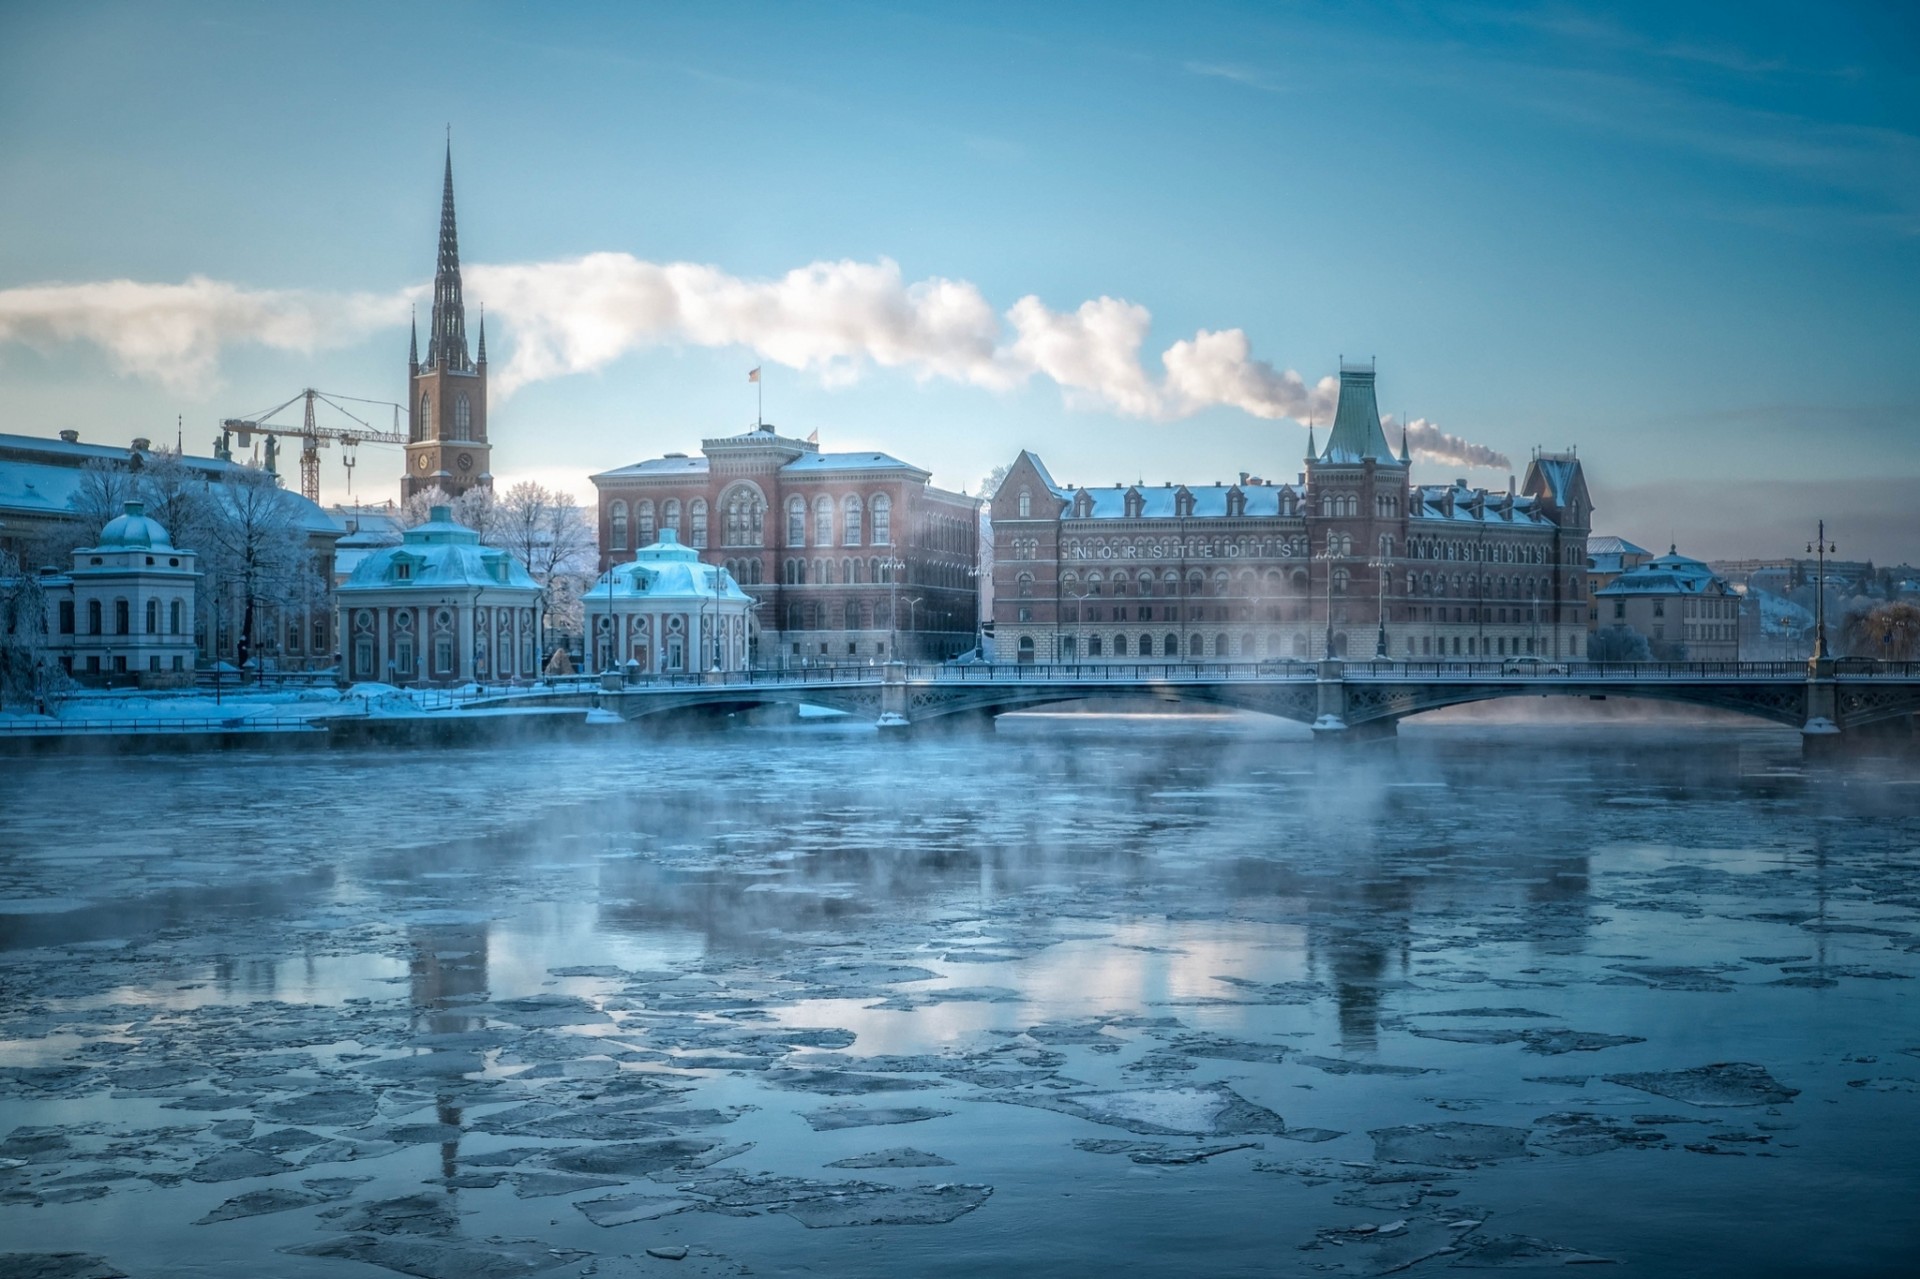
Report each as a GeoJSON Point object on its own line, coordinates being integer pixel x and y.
{"type": "Point", "coordinates": [29, 675]}
{"type": "Point", "coordinates": [1618, 644]}
{"type": "Point", "coordinates": [549, 534]}
{"type": "Point", "coordinates": [1888, 631]}
{"type": "Point", "coordinates": [476, 508]}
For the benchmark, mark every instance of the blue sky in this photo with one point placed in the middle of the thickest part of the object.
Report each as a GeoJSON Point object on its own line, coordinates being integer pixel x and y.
{"type": "Point", "coordinates": [1684, 238]}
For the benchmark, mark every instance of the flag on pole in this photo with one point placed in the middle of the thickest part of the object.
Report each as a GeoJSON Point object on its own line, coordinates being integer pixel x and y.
{"type": "Point", "coordinates": [813, 437]}
{"type": "Point", "coordinates": [754, 374]}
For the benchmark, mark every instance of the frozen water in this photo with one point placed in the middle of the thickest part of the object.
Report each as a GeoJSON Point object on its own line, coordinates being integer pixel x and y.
{"type": "Point", "coordinates": [560, 1009]}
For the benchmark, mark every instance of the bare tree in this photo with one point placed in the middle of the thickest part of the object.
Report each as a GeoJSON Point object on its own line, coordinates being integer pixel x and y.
{"type": "Point", "coordinates": [1889, 631]}
{"type": "Point", "coordinates": [1618, 644]}
{"type": "Point", "coordinates": [105, 489]}
{"type": "Point", "coordinates": [257, 551]}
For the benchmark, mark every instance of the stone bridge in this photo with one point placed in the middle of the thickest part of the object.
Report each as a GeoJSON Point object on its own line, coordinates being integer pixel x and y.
{"type": "Point", "coordinates": [1822, 699]}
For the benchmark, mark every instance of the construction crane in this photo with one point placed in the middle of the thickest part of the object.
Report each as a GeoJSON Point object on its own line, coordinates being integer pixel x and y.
{"type": "Point", "coordinates": [312, 436]}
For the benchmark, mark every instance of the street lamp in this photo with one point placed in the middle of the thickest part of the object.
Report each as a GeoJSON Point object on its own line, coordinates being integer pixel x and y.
{"type": "Point", "coordinates": [1821, 548]}
{"type": "Point", "coordinates": [1327, 557]}
{"type": "Point", "coordinates": [894, 566]}
{"type": "Point", "coordinates": [911, 604]}
{"type": "Point", "coordinates": [1382, 567]}
{"type": "Point", "coordinates": [1533, 615]}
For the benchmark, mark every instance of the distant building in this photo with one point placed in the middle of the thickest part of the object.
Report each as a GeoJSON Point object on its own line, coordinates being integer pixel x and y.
{"type": "Point", "coordinates": [127, 605]}
{"type": "Point", "coordinates": [847, 556]}
{"type": "Point", "coordinates": [440, 608]}
{"type": "Point", "coordinates": [1686, 610]}
{"type": "Point", "coordinates": [1607, 558]}
{"type": "Point", "coordinates": [665, 612]}
{"type": "Point", "coordinates": [1352, 560]}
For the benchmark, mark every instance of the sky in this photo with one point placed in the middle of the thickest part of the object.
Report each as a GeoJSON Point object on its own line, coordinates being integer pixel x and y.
{"type": "Point", "coordinates": [1135, 239]}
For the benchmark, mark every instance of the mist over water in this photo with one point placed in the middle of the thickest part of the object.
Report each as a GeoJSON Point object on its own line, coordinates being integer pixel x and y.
{"type": "Point", "coordinates": [1178, 993]}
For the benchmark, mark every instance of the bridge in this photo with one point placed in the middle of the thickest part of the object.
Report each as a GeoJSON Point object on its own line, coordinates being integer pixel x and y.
{"type": "Point", "coordinates": [1339, 700]}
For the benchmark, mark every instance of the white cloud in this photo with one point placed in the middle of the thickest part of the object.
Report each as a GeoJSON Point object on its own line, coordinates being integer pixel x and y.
{"type": "Point", "coordinates": [174, 333]}
{"type": "Point", "coordinates": [836, 320]}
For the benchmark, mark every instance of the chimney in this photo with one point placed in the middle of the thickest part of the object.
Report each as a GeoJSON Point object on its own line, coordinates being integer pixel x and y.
{"type": "Point", "coordinates": [1243, 479]}
{"type": "Point", "coordinates": [141, 444]}
{"type": "Point", "coordinates": [70, 437]}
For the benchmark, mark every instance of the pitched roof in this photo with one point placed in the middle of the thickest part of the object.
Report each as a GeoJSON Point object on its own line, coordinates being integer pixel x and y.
{"type": "Point", "coordinates": [1356, 434]}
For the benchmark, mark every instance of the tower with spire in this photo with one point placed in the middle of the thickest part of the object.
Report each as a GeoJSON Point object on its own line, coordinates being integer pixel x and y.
{"type": "Point", "coordinates": [447, 445]}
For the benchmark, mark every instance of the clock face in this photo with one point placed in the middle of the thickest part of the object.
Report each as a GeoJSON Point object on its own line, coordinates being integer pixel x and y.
{"type": "Point", "coordinates": [466, 461]}
{"type": "Point", "coordinates": [421, 462]}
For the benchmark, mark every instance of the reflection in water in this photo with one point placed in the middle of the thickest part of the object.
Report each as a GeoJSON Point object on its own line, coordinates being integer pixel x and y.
{"type": "Point", "coordinates": [793, 929]}
{"type": "Point", "coordinates": [448, 970]}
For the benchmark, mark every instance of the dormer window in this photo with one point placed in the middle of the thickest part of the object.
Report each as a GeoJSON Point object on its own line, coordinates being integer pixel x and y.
{"type": "Point", "coordinates": [1236, 501]}
{"type": "Point", "coordinates": [1136, 504]}
{"type": "Point", "coordinates": [403, 570]}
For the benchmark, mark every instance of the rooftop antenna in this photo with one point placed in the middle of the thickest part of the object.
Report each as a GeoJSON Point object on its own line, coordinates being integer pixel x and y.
{"type": "Point", "coordinates": [179, 433]}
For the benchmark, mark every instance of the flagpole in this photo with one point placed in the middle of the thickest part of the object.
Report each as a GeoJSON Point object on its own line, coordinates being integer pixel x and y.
{"type": "Point", "coordinates": [760, 399]}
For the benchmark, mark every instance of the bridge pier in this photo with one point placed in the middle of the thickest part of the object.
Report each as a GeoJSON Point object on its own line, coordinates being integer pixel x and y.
{"type": "Point", "coordinates": [893, 698]}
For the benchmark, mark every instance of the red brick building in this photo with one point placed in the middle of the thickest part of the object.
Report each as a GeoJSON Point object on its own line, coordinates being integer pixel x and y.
{"type": "Point", "coordinates": [848, 556]}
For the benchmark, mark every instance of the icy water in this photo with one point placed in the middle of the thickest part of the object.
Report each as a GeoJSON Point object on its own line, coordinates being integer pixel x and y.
{"type": "Point", "coordinates": [1073, 997]}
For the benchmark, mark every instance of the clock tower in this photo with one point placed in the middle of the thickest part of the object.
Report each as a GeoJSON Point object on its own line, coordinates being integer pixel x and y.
{"type": "Point", "coordinates": [447, 445]}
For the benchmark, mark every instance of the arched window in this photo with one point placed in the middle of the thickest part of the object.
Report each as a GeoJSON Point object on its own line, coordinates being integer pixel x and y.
{"type": "Point", "coordinates": [153, 617]}
{"type": "Point", "coordinates": [1120, 646]}
{"type": "Point", "coordinates": [122, 617]}
{"type": "Point", "coordinates": [745, 512]}
{"type": "Point", "coordinates": [1024, 585]}
{"type": "Point", "coordinates": [462, 416]}
{"type": "Point", "coordinates": [426, 416]}
{"type": "Point", "coordinates": [617, 526]}
{"type": "Point", "coordinates": [796, 521]}
{"type": "Point", "coordinates": [175, 614]}
{"type": "Point", "coordinates": [1026, 504]}
{"type": "Point", "coordinates": [852, 613]}
{"type": "Point", "coordinates": [1196, 646]}
{"type": "Point", "coordinates": [670, 517]}
{"type": "Point", "coordinates": [882, 508]}
{"type": "Point", "coordinates": [1219, 646]}
{"type": "Point", "coordinates": [823, 521]}
{"type": "Point", "coordinates": [850, 521]}
{"type": "Point", "coordinates": [697, 516]}
{"type": "Point", "coordinates": [93, 617]}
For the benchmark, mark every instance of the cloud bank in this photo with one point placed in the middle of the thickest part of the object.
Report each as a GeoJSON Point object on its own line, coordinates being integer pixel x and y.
{"type": "Point", "coordinates": [835, 320]}
{"type": "Point", "coordinates": [174, 333]}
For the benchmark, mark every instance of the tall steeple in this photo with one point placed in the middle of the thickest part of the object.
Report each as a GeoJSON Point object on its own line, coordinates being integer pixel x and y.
{"type": "Point", "coordinates": [481, 356]}
{"type": "Point", "coordinates": [447, 341]}
{"type": "Point", "coordinates": [413, 342]}
{"type": "Point", "coordinates": [447, 448]}
{"type": "Point", "coordinates": [1356, 435]}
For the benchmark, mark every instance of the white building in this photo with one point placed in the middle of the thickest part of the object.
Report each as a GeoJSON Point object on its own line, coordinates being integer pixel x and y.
{"type": "Point", "coordinates": [668, 612]}
{"type": "Point", "coordinates": [127, 605]}
{"type": "Point", "coordinates": [440, 607]}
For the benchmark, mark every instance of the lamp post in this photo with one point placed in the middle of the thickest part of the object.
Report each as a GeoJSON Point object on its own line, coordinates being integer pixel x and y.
{"type": "Point", "coordinates": [1327, 558]}
{"type": "Point", "coordinates": [894, 566]}
{"type": "Point", "coordinates": [1382, 567]}
{"type": "Point", "coordinates": [1821, 548]}
{"type": "Point", "coordinates": [1533, 617]}
{"type": "Point", "coordinates": [912, 603]}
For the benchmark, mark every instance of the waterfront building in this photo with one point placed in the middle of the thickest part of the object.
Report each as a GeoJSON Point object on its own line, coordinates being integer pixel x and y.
{"type": "Point", "coordinates": [44, 484]}
{"type": "Point", "coordinates": [126, 606]}
{"type": "Point", "coordinates": [846, 556]}
{"type": "Point", "coordinates": [440, 608]}
{"type": "Point", "coordinates": [1353, 560]}
{"type": "Point", "coordinates": [447, 447]}
{"type": "Point", "coordinates": [1686, 610]}
{"type": "Point", "coordinates": [664, 612]}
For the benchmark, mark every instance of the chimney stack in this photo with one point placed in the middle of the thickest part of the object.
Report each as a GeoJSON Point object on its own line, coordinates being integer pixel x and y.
{"type": "Point", "coordinates": [70, 437]}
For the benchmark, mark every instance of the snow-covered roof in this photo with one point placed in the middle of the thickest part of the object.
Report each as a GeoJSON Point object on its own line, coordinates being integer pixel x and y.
{"type": "Point", "coordinates": [1670, 574]}
{"type": "Point", "coordinates": [667, 570]}
{"type": "Point", "coordinates": [675, 464]}
{"type": "Point", "coordinates": [1209, 500]}
{"type": "Point", "coordinates": [812, 462]}
{"type": "Point", "coordinates": [1474, 506]}
{"type": "Point", "coordinates": [134, 529]}
{"type": "Point", "coordinates": [43, 477]}
{"type": "Point", "coordinates": [437, 555]}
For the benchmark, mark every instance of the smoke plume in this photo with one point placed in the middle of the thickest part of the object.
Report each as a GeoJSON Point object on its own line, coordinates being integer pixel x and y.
{"type": "Point", "coordinates": [1424, 439]}
{"type": "Point", "coordinates": [835, 320]}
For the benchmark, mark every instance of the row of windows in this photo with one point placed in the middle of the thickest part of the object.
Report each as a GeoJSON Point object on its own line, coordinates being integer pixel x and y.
{"type": "Point", "coordinates": [123, 618]}
{"type": "Point", "coordinates": [880, 508]}
{"type": "Point", "coordinates": [869, 615]}
{"type": "Point", "coordinates": [462, 416]}
{"type": "Point", "coordinates": [1219, 645]}
{"type": "Point", "coordinates": [847, 572]}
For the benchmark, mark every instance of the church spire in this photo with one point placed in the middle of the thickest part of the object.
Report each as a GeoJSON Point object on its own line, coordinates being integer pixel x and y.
{"type": "Point", "coordinates": [1310, 449]}
{"type": "Point", "coordinates": [413, 342]}
{"type": "Point", "coordinates": [1404, 460]}
{"type": "Point", "coordinates": [447, 341]}
{"type": "Point", "coordinates": [481, 357]}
